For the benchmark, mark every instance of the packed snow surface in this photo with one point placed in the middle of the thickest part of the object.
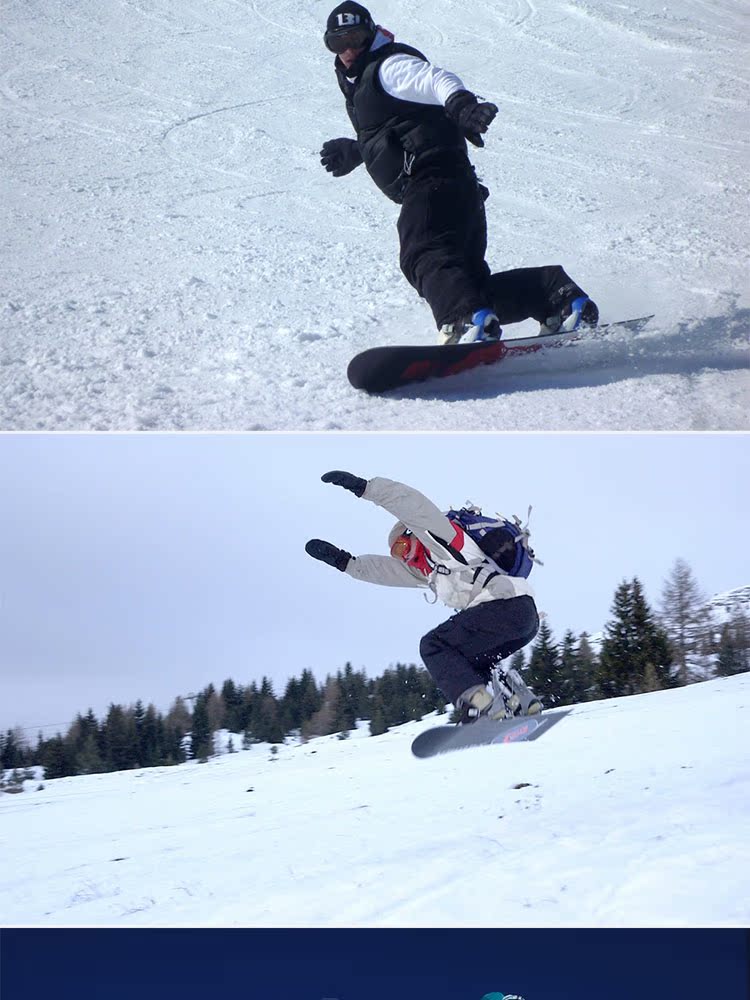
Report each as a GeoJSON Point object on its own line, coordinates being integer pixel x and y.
{"type": "Point", "coordinates": [173, 256]}
{"type": "Point", "coordinates": [629, 812]}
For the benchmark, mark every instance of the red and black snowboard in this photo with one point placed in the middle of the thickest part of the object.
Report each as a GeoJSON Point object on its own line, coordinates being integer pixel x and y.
{"type": "Point", "coordinates": [379, 369]}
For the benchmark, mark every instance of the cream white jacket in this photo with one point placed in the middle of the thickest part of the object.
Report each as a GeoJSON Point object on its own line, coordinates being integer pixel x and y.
{"type": "Point", "coordinates": [459, 583]}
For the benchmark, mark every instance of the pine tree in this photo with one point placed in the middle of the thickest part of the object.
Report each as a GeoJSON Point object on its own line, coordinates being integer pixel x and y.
{"type": "Point", "coordinates": [323, 722]}
{"type": "Point", "coordinates": [400, 691]}
{"type": "Point", "coordinates": [635, 652]}
{"type": "Point", "coordinates": [179, 717]}
{"type": "Point", "coordinates": [231, 697]}
{"type": "Point", "coordinates": [656, 651]}
{"type": "Point", "coordinates": [86, 739]}
{"type": "Point", "coordinates": [408, 693]}
{"type": "Point", "coordinates": [349, 703]}
{"type": "Point", "coordinates": [88, 760]}
{"type": "Point", "coordinates": [266, 725]}
{"type": "Point", "coordinates": [543, 672]}
{"type": "Point", "coordinates": [518, 661]}
{"type": "Point", "coordinates": [266, 718]}
{"type": "Point", "coordinates": [385, 693]}
{"type": "Point", "coordinates": [12, 752]}
{"type": "Point", "coordinates": [615, 660]}
{"type": "Point", "coordinates": [310, 695]}
{"type": "Point", "coordinates": [139, 716]}
{"type": "Point", "coordinates": [202, 738]}
{"type": "Point", "coordinates": [175, 728]}
{"type": "Point", "coordinates": [56, 758]}
{"type": "Point", "coordinates": [151, 736]}
{"type": "Point", "coordinates": [588, 666]}
{"type": "Point", "coordinates": [291, 706]}
{"type": "Point", "coordinates": [378, 725]}
{"type": "Point", "coordinates": [119, 740]}
{"type": "Point", "coordinates": [250, 696]}
{"type": "Point", "coordinates": [684, 615]}
{"type": "Point", "coordinates": [574, 678]}
{"type": "Point", "coordinates": [432, 699]}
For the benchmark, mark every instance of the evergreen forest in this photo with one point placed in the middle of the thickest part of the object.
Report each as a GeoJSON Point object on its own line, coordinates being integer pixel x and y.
{"type": "Point", "coordinates": [640, 650]}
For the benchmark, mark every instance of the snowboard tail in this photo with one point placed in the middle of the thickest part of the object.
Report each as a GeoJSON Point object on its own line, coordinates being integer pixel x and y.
{"type": "Point", "coordinates": [484, 732]}
{"type": "Point", "coordinates": [380, 369]}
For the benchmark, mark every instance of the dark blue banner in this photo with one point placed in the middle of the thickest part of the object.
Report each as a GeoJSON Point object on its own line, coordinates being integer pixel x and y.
{"type": "Point", "coordinates": [372, 964]}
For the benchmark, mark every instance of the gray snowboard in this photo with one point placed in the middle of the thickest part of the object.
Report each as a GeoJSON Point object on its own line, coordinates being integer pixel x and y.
{"type": "Point", "coordinates": [485, 732]}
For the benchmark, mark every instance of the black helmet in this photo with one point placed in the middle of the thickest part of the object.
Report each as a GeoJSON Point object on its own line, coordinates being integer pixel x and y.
{"type": "Point", "coordinates": [348, 19]}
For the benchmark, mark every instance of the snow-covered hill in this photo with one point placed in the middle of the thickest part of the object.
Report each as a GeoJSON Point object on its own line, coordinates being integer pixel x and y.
{"type": "Point", "coordinates": [729, 603]}
{"type": "Point", "coordinates": [709, 619]}
{"type": "Point", "coordinates": [703, 632]}
{"type": "Point", "coordinates": [632, 811]}
{"type": "Point", "coordinates": [173, 256]}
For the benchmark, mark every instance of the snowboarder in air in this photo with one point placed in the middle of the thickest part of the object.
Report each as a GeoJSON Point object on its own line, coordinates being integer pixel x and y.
{"type": "Point", "coordinates": [496, 611]}
{"type": "Point", "coordinates": [412, 120]}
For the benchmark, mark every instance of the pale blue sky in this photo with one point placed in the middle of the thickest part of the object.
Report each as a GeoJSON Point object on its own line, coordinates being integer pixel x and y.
{"type": "Point", "coordinates": [146, 566]}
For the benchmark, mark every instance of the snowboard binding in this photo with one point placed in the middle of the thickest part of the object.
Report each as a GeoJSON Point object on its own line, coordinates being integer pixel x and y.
{"type": "Point", "coordinates": [509, 686]}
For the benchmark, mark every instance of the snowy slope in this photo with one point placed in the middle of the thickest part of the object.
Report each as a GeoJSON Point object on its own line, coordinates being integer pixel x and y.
{"type": "Point", "coordinates": [632, 811]}
{"type": "Point", "coordinates": [172, 255]}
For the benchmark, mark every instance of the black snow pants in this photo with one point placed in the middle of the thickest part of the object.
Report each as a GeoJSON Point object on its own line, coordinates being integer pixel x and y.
{"type": "Point", "coordinates": [460, 652]}
{"type": "Point", "coordinates": [442, 231]}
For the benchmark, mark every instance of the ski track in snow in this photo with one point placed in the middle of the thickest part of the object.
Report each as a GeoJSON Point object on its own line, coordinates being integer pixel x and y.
{"type": "Point", "coordinates": [174, 257]}
{"type": "Point", "coordinates": [630, 812]}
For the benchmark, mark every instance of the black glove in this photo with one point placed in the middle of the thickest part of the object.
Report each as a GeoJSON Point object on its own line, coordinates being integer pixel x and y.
{"type": "Point", "coordinates": [352, 483]}
{"type": "Point", "coordinates": [472, 118]}
{"type": "Point", "coordinates": [328, 553]}
{"type": "Point", "coordinates": [340, 156]}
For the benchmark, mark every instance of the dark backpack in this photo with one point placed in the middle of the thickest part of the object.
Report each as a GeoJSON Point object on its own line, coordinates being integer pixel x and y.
{"type": "Point", "coordinates": [504, 541]}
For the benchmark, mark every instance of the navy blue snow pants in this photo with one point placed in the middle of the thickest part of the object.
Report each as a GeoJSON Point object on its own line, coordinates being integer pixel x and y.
{"type": "Point", "coordinates": [460, 652]}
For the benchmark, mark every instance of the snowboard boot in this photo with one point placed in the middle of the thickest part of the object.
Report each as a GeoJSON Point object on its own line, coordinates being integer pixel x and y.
{"type": "Point", "coordinates": [477, 702]}
{"type": "Point", "coordinates": [481, 325]}
{"type": "Point", "coordinates": [581, 311]}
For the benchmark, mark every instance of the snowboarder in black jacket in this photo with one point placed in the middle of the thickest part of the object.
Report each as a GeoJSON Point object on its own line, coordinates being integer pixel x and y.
{"type": "Point", "coordinates": [412, 120]}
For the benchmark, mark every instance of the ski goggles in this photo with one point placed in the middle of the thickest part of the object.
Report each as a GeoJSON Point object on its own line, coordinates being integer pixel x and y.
{"type": "Point", "coordinates": [340, 41]}
{"type": "Point", "coordinates": [405, 547]}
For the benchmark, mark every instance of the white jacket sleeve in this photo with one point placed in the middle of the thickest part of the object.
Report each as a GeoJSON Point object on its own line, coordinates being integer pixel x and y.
{"type": "Point", "coordinates": [410, 79]}
{"type": "Point", "coordinates": [408, 505]}
{"type": "Point", "coordinates": [385, 570]}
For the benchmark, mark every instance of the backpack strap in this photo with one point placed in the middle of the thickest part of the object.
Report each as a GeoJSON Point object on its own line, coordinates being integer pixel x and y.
{"type": "Point", "coordinates": [482, 574]}
{"type": "Point", "coordinates": [458, 556]}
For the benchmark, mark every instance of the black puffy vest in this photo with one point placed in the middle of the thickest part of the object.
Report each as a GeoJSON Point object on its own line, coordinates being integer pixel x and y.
{"type": "Point", "coordinates": [399, 139]}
